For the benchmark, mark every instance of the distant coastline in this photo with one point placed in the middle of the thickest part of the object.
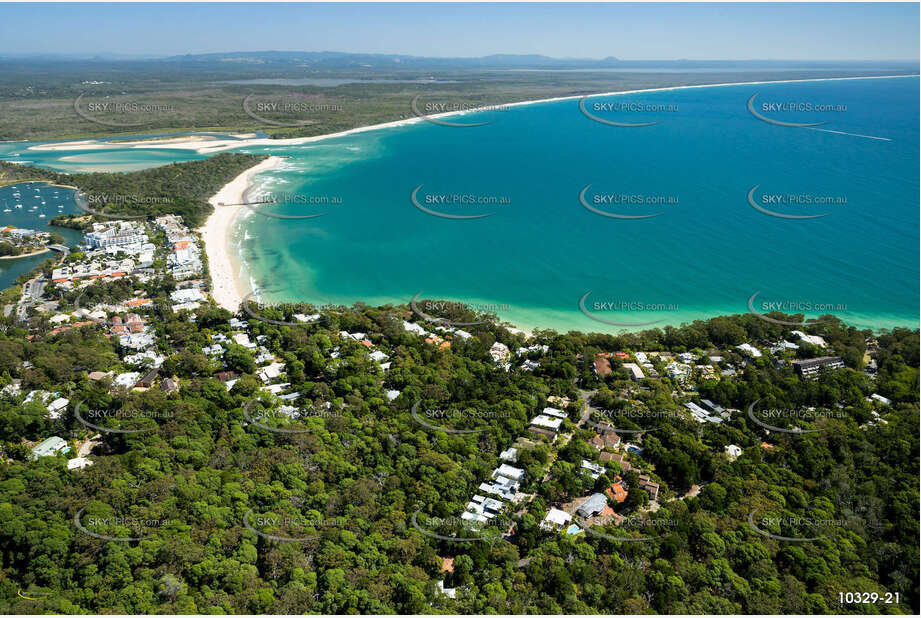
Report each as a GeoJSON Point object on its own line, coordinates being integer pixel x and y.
{"type": "Point", "coordinates": [228, 287]}
{"type": "Point", "coordinates": [208, 145]}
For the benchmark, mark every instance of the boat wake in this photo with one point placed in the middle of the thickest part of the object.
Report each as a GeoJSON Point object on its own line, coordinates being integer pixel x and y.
{"type": "Point", "coordinates": [882, 139]}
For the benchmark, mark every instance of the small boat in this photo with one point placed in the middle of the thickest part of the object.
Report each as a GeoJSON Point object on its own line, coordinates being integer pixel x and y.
{"type": "Point", "coordinates": [18, 205]}
{"type": "Point", "coordinates": [41, 216]}
{"type": "Point", "coordinates": [7, 210]}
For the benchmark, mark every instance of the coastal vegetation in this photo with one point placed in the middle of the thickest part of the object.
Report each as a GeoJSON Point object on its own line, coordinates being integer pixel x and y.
{"type": "Point", "coordinates": [180, 188]}
{"type": "Point", "coordinates": [203, 93]}
{"type": "Point", "coordinates": [209, 498]}
{"type": "Point", "coordinates": [368, 466]}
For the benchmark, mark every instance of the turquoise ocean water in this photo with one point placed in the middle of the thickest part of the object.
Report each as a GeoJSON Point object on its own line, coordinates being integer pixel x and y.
{"type": "Point", "coordinates": [541, 250]}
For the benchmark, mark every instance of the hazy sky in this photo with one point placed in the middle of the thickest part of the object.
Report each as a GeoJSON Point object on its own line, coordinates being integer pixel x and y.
{"type": "Point", "coordinates": [870, 31]}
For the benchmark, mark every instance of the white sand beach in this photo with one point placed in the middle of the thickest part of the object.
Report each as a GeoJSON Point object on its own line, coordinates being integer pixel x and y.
{"type": "Point", "coordinates": [182, 141]}
{"type": "Point", "coordinates": [216, 234]}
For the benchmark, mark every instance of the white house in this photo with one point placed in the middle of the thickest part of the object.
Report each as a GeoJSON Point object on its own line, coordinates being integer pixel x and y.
{"type": "Point", "coordinates": [546, 422]}
{"type": "Point", "coordinates": [270, 372]}
{"type": "Point", "coordinates": [881, 399]}
{"type": "Point", "coordinates": [57, 406]}
{"type": "Point", "coordinates": [508, 471]}
{"type": "Point", "coordinates": [78, 462]}
{"type": "Point", "coordinates": [555, 413]}
{"type": "Point", "coordinates": [555, 520]}
{"type": "Point", "coordinates": [188, 295]}
{"type": "Point", "coordinates": [413, 328]}
{"type": "Point", "coordinates": [594, 469]}
{"type": "Point", "coordinates": [749, 350]}
{"type": "Point", "coordinates": [813, 339]}
{"type": "Point", "coordinates": [127, 380]}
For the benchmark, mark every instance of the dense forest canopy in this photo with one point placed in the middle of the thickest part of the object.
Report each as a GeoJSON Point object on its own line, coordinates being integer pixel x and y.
{"type": "Point", "coordinates": [179, 188]}
{"type": "Point", "coordinates": [203, 485]}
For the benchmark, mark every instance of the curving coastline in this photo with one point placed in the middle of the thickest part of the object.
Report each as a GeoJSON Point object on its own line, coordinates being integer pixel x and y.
{"type": "Point", "coordinates": [209, 145]}
{"type": "Point", "coordinates": [226, 287]}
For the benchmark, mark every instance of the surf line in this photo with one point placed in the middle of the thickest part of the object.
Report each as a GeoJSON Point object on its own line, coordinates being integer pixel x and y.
{"type": "Point", "coordinates": [883, 139]}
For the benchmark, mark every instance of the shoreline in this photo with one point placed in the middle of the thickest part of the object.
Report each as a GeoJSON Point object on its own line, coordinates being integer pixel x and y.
{"type": "Point", "coordinates": [226, 288]}
{"type": "Point", "coordinates": [24, 255]}
{"type": "Point", "coordinates": [203, 145]}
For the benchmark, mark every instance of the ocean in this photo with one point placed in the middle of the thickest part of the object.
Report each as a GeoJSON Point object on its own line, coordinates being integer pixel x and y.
{"type": "Point", "coordinates": [554, 215]}
{"type": "Point", "coordinates": [707, 251]}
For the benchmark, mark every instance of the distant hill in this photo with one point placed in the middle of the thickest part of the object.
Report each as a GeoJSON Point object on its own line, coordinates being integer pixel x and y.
{"type": "Point", "coordinates": [338, 61]}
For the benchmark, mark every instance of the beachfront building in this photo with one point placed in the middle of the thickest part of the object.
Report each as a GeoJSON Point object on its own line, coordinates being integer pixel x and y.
{"type": "Point", "coordinates": [115, 234]}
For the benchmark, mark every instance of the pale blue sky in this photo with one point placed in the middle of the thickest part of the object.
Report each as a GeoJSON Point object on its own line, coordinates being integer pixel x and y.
{"type": "Point", "coordinates": [872, 31]}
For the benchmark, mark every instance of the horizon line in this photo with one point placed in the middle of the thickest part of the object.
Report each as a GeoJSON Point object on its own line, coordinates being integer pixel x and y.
{"type": "Point", "coordinates": [128, 56]}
